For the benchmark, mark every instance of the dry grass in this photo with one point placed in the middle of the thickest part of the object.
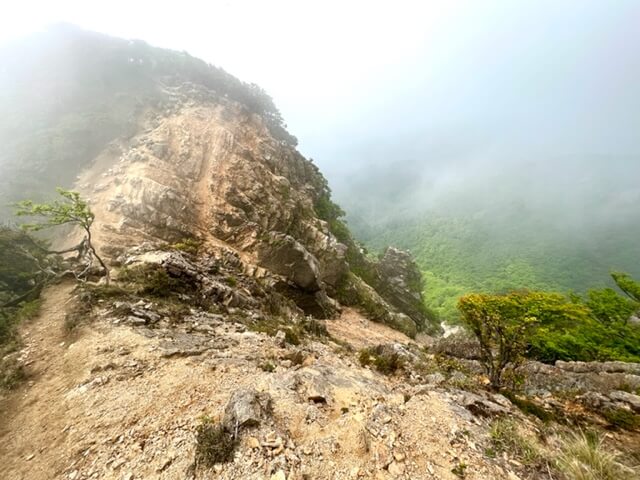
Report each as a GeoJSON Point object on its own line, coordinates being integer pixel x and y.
{"type": "Point", "coordinates": [506, 437]}
{"type": "Point", "coordinates": [585, 457]}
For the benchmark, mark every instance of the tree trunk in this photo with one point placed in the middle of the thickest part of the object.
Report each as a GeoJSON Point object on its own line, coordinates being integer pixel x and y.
{"type": "Point", "coordinates": [95, 254]}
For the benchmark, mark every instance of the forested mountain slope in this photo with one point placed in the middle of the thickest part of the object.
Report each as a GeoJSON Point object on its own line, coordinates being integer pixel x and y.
{"type": "Point", "coordinates": [531, 226]}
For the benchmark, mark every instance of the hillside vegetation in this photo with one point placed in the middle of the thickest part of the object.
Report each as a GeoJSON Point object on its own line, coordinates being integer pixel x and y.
{"type": "Point", "coordinates": [465, 254]}
{"type": "Point", "coordinates": [555, 229]}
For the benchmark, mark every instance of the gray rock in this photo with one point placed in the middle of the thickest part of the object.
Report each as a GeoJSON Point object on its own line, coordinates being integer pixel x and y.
{"type": "Point", "coordinates": [247, 408]}
{"type": "Point", "coordinates": [400, 283]}
{"type": "Point", "coordinates": [281, 338]}
{"type": "Point", "coordinates": [599, 367]}
{"type": "Point", "coordinates": [594, 400]}
{"type": "Point", "coordinates": [629, 398]}
{"type": "Point", "coordinates": [434, 378]}
{"type": "Point", "coordinates": [283, 255]}
{"type": "Point", "coordinates": [480, 406]}
{"type": "Point", "coordinates": [137, 321]}
{"type": "Point", "coordinates": [314, 385]}
{"type": "Point", "coordinates": [183, 352]}
{"type": "Point", "coordinates": [159, 149]}
{"type": "Point", "coordinates": [149, 315]}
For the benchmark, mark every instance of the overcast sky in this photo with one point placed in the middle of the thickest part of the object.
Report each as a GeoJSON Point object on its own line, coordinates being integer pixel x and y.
{"type": "Point", "coordinates": [433, 83]}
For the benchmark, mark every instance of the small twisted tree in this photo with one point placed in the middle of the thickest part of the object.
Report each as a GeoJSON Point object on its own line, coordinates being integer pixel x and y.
{"type": "Point", "coordinates": [73, 210]}
{"type": "Point", "coordinates": [501, 324]}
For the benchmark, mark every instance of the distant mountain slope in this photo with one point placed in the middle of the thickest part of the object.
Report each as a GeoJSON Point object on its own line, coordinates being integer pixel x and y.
{"type": "Point", "coordinates": [561, 227]}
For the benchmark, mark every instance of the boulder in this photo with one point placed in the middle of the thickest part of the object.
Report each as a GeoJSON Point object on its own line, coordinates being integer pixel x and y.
{"type": "Point", "coordinates": [595, 401]}
{"type": "Point", "coordinates": [629, 398]}
{"type": "Point", "coordinates": [283, 255]}
{"type": "Point", "coordinates": [481, 406]}
{"type": "Point", "coordinates": [360, 294]}
{"type": "Point", "coordinates": [314, 385]}
{"type": "Point", "coordinates": [400, 283]}
{"type": "Point", "coordinates": [247, 408]}
{"type": "Point", "coordinates": [599, 367]}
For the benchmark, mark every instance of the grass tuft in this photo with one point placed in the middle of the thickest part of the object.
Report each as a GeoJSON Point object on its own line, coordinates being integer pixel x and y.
{"type": "Point", "coordinates": [585, 457]}
{"type": "Point", "coordinates": [506, 437]}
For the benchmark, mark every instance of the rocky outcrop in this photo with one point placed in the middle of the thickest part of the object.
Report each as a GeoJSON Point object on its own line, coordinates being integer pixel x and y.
{"type": "Point", "coordinates": [356, 292]}
{"type": "Point", "coordinates": [205, 158]}
{"type": "Point", "coordinates": [283, 255]}
{"type": "Point", "coordinates": [400, 283]}
{"type": "Point", "coordinates": [205, 168]}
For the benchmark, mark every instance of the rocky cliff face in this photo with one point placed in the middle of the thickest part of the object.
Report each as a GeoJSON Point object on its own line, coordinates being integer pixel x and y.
{"type": "Point", "coordinates": [205, 168]}
{"type": "Point", "coordinates": [206, 160]}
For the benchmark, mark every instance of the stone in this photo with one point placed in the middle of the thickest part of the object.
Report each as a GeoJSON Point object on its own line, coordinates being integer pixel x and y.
{"type": "Point", "coordinates": [133, 320]}
{"type": "Point", "coordinates": [599, 367]}
{"type": "Point", "coordinates": [247, 408]}
{"type": "Point", "coordinates": [396, 468]}
{"type": "Point", "coordinates": [594, 400]}
{"type": "Point", "coordinates": [400, 284]}
{"type": "Point", "coordinates": [279, 475]}
{"type": "Point", "coordinates": [159, 149]}
{"type": "Point", "coordinates": [284, 255]}
{"type": "Point", "coordinates": [253, 442]}
{"type": "Point", "coordinates": [434, 378]}
{"type": "Point", "coordinates": [280, 339]}
{"type": "Point", "coordinates": [314, 385]}
{"type": "Point", "coordinates": [629, 398]}
{"type": "Point", "coordinates": [480, 406]}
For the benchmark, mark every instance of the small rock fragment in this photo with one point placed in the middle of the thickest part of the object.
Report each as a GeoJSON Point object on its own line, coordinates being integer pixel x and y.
{"type": "Point", "coordinates": [279, 475]}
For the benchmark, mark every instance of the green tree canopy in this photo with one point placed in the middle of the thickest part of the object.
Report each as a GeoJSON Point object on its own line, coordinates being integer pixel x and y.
{"type": "Point", "coordinates": [71, 209]}
{"type": "Point", "coordinates": [627, 284]}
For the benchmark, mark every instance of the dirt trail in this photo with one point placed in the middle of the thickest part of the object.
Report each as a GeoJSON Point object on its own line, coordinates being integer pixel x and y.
{"type": "Point", "coordinates": [35, 413]}
{"type": "Point", "coordinates": [352, 327]}
{"type": "Point", "coordinates": [108, 404]}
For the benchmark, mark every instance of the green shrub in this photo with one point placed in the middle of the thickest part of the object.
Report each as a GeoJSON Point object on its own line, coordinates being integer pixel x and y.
{"type": "Point", "coordinates": [315, 327]}
{"type": "Point", "coordinates": [188, 245]}
{"type": "Point", "coordinates": [382, 358]}
{"type": "Point", "coordinates": [529, 407]}
{"type": "Point", "coordinates": [10, 318]}
{"type": "Point", "coordinates": [502, 324]}
{"type": "Point", "coordinates": [151, 279]}
{"type": "Point", "coordinates": [622, 418]}
{"type": "Point", "coordinates": [214, 444]}
{"type": "Point", "coordinates": [460, 470]}
{"type": "Point", "coordinates": [267, 367]}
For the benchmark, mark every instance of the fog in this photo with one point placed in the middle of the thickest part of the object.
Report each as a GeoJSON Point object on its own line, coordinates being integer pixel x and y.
{"type": "Point", "coordinates": [409, 106]}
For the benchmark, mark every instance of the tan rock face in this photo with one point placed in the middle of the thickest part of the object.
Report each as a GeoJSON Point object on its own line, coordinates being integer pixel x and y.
{"type": "Point", "coordinates": [204, 168]}
{"type": "Point", "coordinates": [214, 172]}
